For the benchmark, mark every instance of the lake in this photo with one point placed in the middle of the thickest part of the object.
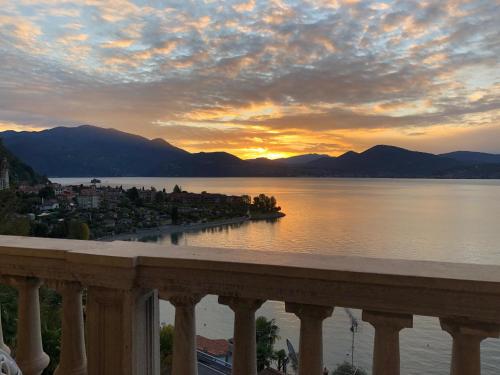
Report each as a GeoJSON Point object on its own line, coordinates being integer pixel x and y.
{"type": "Point", "coordinates": [447, 220]}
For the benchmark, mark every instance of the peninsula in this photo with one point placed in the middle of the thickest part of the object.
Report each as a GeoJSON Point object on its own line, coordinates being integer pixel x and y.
{"type": "Point", "coordinates": [107, 212]}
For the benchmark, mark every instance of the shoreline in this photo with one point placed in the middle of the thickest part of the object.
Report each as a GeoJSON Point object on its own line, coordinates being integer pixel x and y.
{"type": "Point", "coordinates": [171, 228]}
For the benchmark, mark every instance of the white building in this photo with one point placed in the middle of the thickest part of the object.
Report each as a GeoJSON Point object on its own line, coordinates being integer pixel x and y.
{"type": "Point", "coordinates": [4, 175]}
{"type": "Point", "coordinates": [88, 201]}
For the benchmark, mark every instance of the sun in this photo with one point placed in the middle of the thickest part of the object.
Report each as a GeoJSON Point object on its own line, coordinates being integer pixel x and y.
{"type": "Point", "coordinates": [274, 155]}
{"type": "Point", "coordinates": [262, 152]}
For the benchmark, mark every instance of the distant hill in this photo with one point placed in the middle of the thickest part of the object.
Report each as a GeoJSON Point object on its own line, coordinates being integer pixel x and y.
{"type": "Point", "coordinates": [301, 159]}
{"type": "Point", "coordinates": [478, 171]}
{"type": "Point", "coordinates": [19, 171]}
{"type": "Point", "coordinates": [91, 151]}
{"type": "Point", "coordinates": [88, 151]}
{"type": "Point", "coordinates": [473, 157]}
{"type": "Point", "coordinates": [383, 161]}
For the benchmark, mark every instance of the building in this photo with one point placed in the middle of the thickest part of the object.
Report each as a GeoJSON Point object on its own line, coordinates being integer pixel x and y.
{"type": "Point", "coordinates": [218, 348]}
{"type": "Point", "coordinates": [49, 205]}
{"type": "Point", "coordinates": [4, 175]}
{"type": "Point", "coordinates": [28, 189]}
{"type": "Point", "coordinates": [147, 196]}
{"type": "Point", "coordinates": [88, 199]}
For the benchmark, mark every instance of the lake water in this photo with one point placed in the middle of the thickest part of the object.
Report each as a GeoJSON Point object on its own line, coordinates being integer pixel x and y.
{"type": "Point", "coordinates": [450, 220]}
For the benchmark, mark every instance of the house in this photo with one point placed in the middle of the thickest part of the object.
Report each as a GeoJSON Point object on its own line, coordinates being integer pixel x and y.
{"type": "Point", "coordinates": [219, 348]}
{"type": "Point", "coordinates": [58, 188]}
{"type": "Point", "coordinates": [28, 189]}
{"type": "Point", "coordinates": [88, 199]}
{"type": "Point", "coordinates": [49, 205]}
{"type": "Point", "coordinates": [4, 174]}
{"type": "Point", "coordinates": [112, 195]}
{"type": "Point", "coordinates": [66, 195]}
{"type": "Point", "coordinates": [147, 196]}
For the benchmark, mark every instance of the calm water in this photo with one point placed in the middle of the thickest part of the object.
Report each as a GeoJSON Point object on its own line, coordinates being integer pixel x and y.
{"type": "Point", "coordinates": [411, 219]}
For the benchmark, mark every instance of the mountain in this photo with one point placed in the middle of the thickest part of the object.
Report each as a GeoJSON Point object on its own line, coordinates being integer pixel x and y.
{"type": "Point", "coordinates": [19, 171]}
{"type": "Point", "coordinates": [301, 159]}
{"type": "Point", "coordinates": [91, 151]}
{"type": "Point", "coordinates": [473, 157]}
{"type": "Point", "coordinates": [384, 161]}
{"type": "Point", "coordinates": [87, 151]}
{"type": "Point", "coordinates": [478, 171]}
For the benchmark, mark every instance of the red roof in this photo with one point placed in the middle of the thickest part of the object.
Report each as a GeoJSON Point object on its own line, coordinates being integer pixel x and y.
{"type": "Point", "coordinates": [216, 348]}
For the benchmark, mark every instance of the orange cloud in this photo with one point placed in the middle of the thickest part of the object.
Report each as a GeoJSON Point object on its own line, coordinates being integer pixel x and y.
{"type": "Point", "coordinates": [122, 43]}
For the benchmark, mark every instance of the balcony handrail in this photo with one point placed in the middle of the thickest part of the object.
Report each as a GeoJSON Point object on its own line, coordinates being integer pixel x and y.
{"type": "Point", "coordinates": [407, 286]}
{"type": "Point", "coordinates": [124, 281]}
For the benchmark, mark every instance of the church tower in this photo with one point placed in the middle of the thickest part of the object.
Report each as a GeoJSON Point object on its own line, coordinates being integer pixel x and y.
{"type": "Point", "coordinates": [4, 174]}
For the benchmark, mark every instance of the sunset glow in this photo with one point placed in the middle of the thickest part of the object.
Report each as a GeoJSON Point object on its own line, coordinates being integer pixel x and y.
{"type": "Point", "coordinates": [258, 78]}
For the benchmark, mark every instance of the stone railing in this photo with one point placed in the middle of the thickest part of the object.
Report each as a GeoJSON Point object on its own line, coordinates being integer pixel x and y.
{"type": "Point", "coordinates": [124, 281]}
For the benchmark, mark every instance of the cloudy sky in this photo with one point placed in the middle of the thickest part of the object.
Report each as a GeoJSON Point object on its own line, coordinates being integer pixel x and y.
{"type": "Point", "coordinates": [258, 78]}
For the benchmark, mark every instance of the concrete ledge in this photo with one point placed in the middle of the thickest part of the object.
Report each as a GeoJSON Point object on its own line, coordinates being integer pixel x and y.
{"type": "Point", "coordinates": [399, 286]}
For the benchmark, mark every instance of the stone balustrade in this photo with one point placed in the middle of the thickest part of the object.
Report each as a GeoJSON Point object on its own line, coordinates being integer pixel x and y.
{"type": "Point", "coordinates": [124, 281]}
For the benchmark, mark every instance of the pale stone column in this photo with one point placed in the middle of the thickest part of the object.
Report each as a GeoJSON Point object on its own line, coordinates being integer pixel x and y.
{"type": "Point", "coordinates": [311, 335]}
{"type": "Point", "coordinates": [467, 336]}
{"type": "Point", "coordinates": [184, 360]}
{"type": "Point", "coordinates": [30, 356]}
{"type": "Point", "coordinates": [244, 346]}
{"type": "Point", "coordinates": [386, 359]}
{"type": "Point", "coordinates": [73, 359]}
{"type": "Point", "coordinates": [122, 331]}
{"type": "Point", "coordinates": [3, 346]}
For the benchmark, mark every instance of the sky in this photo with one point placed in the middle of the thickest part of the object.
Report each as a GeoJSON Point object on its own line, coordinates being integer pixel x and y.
{"type": "Point", "coordinates": [256, 78]}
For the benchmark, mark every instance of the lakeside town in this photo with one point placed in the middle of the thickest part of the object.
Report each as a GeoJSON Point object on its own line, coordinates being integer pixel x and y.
{"type": "Point", "coordinates": [95, 211]}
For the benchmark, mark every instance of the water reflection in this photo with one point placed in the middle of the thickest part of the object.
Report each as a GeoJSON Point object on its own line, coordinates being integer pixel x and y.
{"type": "Point", "coordinates": [411, 219]}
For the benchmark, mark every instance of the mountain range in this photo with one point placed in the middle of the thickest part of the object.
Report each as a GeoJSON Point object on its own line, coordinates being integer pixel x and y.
{"type": "Point", "coordinates": [88, 151]}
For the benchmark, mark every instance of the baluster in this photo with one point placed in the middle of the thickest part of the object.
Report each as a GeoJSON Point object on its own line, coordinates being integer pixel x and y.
{"type": "Point", "coordinates": [184, 360]}
{"type": "Point", "coordinates": [386, 359]}
{"type": "Point", "coordinates": [311, 335]}
{"type": "Point", "coordinates": [29, 354]}
{"type": "Point", "coordinates": [122, 331]}
{"type": "Point", "coordinates": [3, 346]}
{"type": "Point", "coordinates": [244, 348]}
{"type": "Point", "coordinates": [467, 336]}
{"type": "Point", "coordinates": [73, 360]}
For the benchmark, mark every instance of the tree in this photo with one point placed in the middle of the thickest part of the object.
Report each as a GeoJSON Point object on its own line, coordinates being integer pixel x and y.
{"type": "Point", "coordinates": [50, 319]}
{"type": "Point", "coordinates": [263, 203]}
{"type": "Point", "coordinates": [16, 226]}
{"type": "Point", "coordinates": [272, 204]}
{"type": "Point", "coordinates": [281, 360]}
{"type": "Point", "coordinates": [40, 230]}
{"type": "Point", "coordinates": [347, 369]}
{"type": "Point", "coordinates": [246, 200]}
{"type": "Point", "coordinates": [47, 192]}
{"type": "Point", "coordinates": [133, 194]}
{"type": "Point", "coordinates": [177, 189]}
{"type": "Point", "coordinates": [266, 335]}
{"type": "Point", "coordinates": [10, 222]}
{"type": "Point", "coordinates": [160, 197]}
{"type": "Point", "coordinates": [175, 215]}
{"type": "Point", "coordinates": [166, 348]}
{"type": "Point", "coordinates": [78, 230]}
